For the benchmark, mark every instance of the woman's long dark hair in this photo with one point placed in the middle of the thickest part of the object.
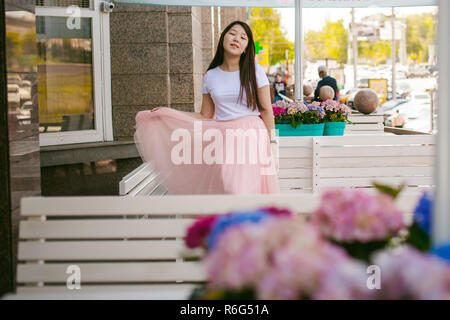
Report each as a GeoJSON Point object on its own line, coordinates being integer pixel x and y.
{"type": "Point", "coordinates": [246, 66]}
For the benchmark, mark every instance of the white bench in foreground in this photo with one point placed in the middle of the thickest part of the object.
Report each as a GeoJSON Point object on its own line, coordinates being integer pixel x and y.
{"type": "Point", "coordinates": [131, 258]}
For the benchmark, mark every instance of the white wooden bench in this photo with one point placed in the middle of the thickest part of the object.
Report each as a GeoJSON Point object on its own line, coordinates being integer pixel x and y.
{"type": "Point", "coordinates": [311, 164]}
{"type": "Point", "coordinates": [130, 258]}
{"type": "Point", "coordinates": [370, 124]}
{"type": "Point", "coordinates": [142, 181]}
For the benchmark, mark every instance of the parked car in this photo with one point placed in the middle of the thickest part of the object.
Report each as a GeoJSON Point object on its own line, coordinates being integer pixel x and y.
{"type": "Point", "coordinates": [417, 71]}
{"type": "Point", "coordinates": [345, 95]}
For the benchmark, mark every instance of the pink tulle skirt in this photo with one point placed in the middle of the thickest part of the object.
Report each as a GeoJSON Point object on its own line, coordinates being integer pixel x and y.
{"type": "Point", "coordinates": [205, 156]}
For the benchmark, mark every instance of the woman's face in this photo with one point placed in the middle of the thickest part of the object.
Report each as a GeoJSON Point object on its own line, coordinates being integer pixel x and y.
{"type": "Point", "coordinates": [236, 40]}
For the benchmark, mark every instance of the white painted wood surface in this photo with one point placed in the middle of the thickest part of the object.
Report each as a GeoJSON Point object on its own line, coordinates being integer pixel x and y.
{"type": "Point", "coordinates": [311, 164]}
{"type": "Point", "coordinates": [127, 258]}
{"type": "Point", "coordinates": [142, 181]}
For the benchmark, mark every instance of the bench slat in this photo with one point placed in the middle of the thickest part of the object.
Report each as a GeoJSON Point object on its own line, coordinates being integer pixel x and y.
{"type": "Point", "coordinates": [353, 162]}
{"type": "Point", "coordinates": [359, 151]}
{"type": "Point", "coordinates": [358, 140]}
{"type": "Point", "coordinates": [355, 182]}
{"type": "Point", "coordinates": [362, 182]}
{"type": "Point", "coordinates": [146, 186]}
{"type": "Point", "coordinates": [366, 119]}
{"type": "Point", "coordinates": [170, 204]}
{"type": "Point", "coordinates": [295, 183]}
{"type": "Point", "coordinates": [377, 151]}
{"type": "Point", "coordinates": [364, 127]}
{"type": "Point", "coordinates": [359, 162]}
{"type": "Point", "coordinates": [135, 177]}
{"type": "Point", "coordinates": [123, 292]}
{"type": "Point", "coordinates": [306, 173]}
{"type": "Point", "coordinates": [104, 229]}
{"type": "Point", "coordinates": [375, 172]}
{"type": "Point", "coordinates": [377, 140]}
{"type": "Point", "coordinates": [113, 272]}
{"type": "Point", "coordinates": [105, 250]}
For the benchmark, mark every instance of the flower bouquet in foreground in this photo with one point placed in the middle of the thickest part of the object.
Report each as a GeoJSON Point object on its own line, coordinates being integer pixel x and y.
{"type": "Point", "coordinates": [271, 253]}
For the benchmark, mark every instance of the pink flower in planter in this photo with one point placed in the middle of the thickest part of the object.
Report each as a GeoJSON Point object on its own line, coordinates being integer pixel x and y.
{"type": "Point", "coordinates": [278, 111]}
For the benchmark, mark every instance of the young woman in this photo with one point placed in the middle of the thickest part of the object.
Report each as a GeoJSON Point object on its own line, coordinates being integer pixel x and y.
{"type": "Point", "coordinates": [229, 147]}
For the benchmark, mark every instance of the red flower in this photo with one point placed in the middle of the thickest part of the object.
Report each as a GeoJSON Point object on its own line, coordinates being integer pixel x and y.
{"type": "Point", "coordinates": [197, 232]}
{"type": "Point", "coordinates": [274, 211]}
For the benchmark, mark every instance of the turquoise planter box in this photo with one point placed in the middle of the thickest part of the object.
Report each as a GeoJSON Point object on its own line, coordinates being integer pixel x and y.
{"type": "Point", "coordinates": [334, 129]}
{"type": "Point", "coordinates": [285, 130]}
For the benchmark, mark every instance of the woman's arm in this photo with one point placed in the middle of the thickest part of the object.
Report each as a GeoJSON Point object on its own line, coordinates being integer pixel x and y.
{"type": "Point", "coordinates": [267, 111]}
{"type": "Point", "coordinates": [267, 116]}
{"type": "Point", "coordinates": [207, 111]}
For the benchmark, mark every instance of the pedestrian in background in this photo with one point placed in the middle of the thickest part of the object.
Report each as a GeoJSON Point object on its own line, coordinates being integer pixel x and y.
{"type": "Point", "coordinates": [279, 86]}
{"type": "Point", "coordinates": [398, 121]}
{"type": "Point", "coordinates": [327, 80]}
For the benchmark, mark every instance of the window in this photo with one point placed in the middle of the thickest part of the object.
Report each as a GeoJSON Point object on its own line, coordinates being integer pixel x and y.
{"type": "Point", "coordinates": [74, 88]}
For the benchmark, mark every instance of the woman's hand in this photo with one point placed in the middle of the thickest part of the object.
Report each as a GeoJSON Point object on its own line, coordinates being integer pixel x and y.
{"type": "Point", "coordinates": [275, 156]}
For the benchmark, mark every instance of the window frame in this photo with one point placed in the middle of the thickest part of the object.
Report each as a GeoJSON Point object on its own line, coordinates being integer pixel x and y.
{"type": "Point", "coordinates": [101, 67]}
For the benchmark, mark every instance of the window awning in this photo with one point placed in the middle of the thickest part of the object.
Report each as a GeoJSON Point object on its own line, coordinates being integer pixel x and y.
{"type": "Point", "coordinates": [288, 3]}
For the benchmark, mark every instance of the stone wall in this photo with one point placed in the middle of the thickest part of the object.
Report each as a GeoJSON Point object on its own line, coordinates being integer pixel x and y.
{"type": "Point", "coordinates": [139, 63]}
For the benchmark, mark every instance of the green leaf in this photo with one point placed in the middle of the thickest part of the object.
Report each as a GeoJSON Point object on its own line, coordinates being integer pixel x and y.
{"type": "Point", "coordinates": [418, 238]}
{"type": "Point", "coordinates": [392, 191]}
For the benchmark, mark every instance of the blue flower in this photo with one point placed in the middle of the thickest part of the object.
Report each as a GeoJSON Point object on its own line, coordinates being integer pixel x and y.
{"type": "Point", "coordinates": [236, 218]}
{"type": "Point", "coordinates": [423, 211]}
{"type": "Point", "coordinates": [442, 251]}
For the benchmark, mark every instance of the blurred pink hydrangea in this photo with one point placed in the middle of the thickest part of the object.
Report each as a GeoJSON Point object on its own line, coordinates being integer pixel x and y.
{"type": "Point", "coordinates": [348, 215]}
{"type": "Point", "coordinates": [410, 274]}
{"type": "Point", "coordinates": [346, 281]}
{"type": "Point", "coordinates": [281, 258]}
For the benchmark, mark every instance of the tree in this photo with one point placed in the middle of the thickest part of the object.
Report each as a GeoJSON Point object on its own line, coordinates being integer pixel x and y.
{"type": "Point", "coordinates": [330, 42]}
{"type": "Point", "coordinates": [420, 34]}
{"type": "Point", "coordinates": [266, 28]}
{"type": "Point", "coordinates": [378, 51]}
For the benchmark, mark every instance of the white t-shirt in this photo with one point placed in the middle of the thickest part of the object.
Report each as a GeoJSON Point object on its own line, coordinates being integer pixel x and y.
{"type": "Point", "coordinates": [224, 89]}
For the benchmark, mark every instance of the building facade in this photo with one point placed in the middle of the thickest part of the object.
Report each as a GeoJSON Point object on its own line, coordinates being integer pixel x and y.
{"type": "Point", "coordinates": [72, 79]}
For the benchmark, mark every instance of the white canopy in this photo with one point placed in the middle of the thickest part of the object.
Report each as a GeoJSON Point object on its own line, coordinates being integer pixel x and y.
{"type": "Point", "coordinates": [289, 3]}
